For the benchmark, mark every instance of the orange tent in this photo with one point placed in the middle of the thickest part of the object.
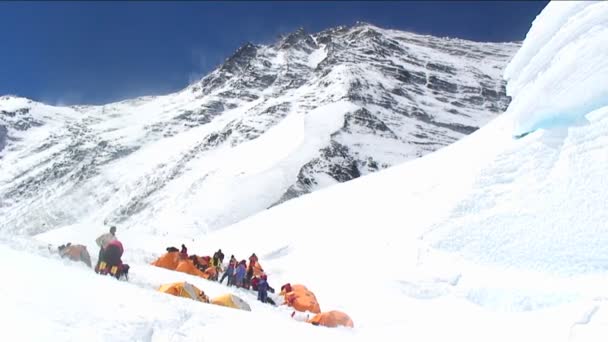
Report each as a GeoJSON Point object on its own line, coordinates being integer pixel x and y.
{"type": "Point", "coordinates": [168, 260]}
{"type": "Point", "coordinates": [301, 299]}
{"type": "Point", "coordinates": [211, 272]}
{"type": "Point", "coordinates": [332, 319]}
{"type": "Point", "coordinates": [187, 266]}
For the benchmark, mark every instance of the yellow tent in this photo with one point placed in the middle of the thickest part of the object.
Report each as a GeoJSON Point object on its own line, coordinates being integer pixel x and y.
{"type": "Point", "coordinates": [186, 290]}
{"type": "Point", "coordinates": [231, 301]}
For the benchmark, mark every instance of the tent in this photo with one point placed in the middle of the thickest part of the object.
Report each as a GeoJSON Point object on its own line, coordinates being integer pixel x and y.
{"type": "Point", "coordinates": [300, 298]}
{"type": "Point", "coordinates": [187, 266]}
{"type": "Point", "coordinates": [168, 260]}
{"type": "Point", "coordinates": [76, 253]}
{"type": "Point", "coordinates": [186, 290]}
{"type": "Point", "coordinates": [231, 301]}
{"type": "Point", "coordinates": [332, 319]}
{"type": "Point", "coordinates": [173, 261]}
{"type": "Point", "coordinates": [210, 272]}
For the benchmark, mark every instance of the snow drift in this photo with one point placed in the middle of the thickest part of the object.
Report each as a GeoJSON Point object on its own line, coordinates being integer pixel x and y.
{"type": "Point", "coordinates": [560, 73]}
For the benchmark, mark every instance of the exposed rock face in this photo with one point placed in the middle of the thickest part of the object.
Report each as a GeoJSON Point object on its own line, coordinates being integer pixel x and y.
{"type": "Point", "coordinates": [3, 137]}
{"type": "Point", "coordinates": [413, 95]}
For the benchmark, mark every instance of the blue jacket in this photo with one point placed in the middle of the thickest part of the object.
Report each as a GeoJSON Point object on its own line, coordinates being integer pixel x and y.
{"type": "Point", "coordinates": [240, 273]}
{"type": "Point", "coordinates": [262, 286]}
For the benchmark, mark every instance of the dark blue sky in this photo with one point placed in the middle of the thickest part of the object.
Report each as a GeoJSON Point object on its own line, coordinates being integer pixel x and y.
{"type": "Point", "coordinates": [97, 52]}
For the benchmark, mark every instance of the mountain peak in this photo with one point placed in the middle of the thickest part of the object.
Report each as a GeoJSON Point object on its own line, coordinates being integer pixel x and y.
{"type": "Point", "coordinates": [298, 38]}
{"type": "Point", "coordinates": [240, 58]}
{"type": "Point", "coordinates": [364, 23]}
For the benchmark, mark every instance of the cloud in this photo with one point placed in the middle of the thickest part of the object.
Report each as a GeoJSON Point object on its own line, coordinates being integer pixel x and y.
{"type": "Point", "coordinates": [66, 98]}
{"type": "Point", "coordinates": [204, 60]}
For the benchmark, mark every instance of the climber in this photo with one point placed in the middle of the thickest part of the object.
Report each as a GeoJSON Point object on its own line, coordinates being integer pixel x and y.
{"type": "Point", "coordinates": [253, 259]}
{"type": "Point", "coordinates": [263, 288]}
{"type": "Point", "coordinates": [239, 273]}
{"type": "Point", "coordinates": [218, 257]}
{"type": "Point", "coordinates": [111, 260]}
{"type": "Point", "coordinates": [183, 252]}
{"type": "Point", "coordinates": [229, 272]}
{"type": "Point", "coordinates": [102, 241]}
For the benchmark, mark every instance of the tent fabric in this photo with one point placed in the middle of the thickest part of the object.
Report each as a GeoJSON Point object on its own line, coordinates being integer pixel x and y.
{"type": "Point", "coordinates": [76, 253]}
{"type": "Point", "coordinates": [231, 301]}
{"type": "Point", "coordinates": [211, 272]}
{"type": "Point", "coordinates": [187, 266]}
{"type": "Point", "coordinates": [168, 261]}
{"type": "Point", "coordinates": [173, 261]}
{"type": "Point", "coordinates": [186, 290]}
{"type": "Point", "coordinates": [332, 319]}
{"type": "Point", "coordinates": [301, 299]}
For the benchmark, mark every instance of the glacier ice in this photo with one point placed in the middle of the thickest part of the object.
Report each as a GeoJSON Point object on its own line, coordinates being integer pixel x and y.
{"type": "Point", "coordinates": [561, 71]}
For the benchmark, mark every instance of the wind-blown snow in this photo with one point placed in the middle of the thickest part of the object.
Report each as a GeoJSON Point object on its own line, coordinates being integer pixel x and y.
{"type": "Point", "coordinates": [489, 239]}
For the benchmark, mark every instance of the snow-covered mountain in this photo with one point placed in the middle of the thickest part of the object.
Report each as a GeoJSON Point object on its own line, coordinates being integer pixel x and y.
{"type": "Point", "coordinates": [500, 236]}
{"type": "Point", "coordinates": [269, 124]}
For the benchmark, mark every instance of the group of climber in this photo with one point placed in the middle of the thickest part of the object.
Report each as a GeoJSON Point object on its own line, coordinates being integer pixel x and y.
{"type": "Point", "coordinates": [238, 273]}
{"type": "Point", "coordinates": [110, 253]}
{"type": "Point", "coordinates": [243, 275]}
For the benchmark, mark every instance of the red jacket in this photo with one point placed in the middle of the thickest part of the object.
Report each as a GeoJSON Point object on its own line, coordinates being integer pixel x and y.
{"type": "Point", "coordinates": [254, 283]}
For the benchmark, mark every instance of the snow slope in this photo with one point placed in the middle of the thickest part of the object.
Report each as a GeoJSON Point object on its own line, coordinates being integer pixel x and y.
{"type": "Point", "coordinates": [491, 238]}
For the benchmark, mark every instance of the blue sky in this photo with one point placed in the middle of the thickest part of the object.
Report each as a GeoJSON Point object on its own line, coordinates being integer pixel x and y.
{"type": "Point", "coordinates": [98, 52]}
